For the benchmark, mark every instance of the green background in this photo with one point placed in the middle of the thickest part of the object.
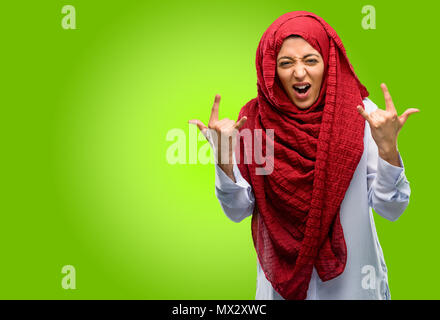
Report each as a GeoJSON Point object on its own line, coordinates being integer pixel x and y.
{"type": "Point", "coordinates": [84, 118]}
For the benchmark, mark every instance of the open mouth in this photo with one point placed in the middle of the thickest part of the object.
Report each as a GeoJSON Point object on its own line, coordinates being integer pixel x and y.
{"type": "Point", "coordinates": [302, 89]}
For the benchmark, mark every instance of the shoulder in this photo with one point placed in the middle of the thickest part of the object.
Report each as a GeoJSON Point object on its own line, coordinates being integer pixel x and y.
{"type": "Point", "coordinates": [369, 105]}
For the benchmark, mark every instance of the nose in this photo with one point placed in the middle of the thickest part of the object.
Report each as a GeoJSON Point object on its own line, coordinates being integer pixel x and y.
{"type": "Point", "coordinates": [299, 71]}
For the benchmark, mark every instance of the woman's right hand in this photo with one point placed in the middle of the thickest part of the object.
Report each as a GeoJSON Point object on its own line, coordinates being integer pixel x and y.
{"type": "Point", "coordinates": [221, 135]}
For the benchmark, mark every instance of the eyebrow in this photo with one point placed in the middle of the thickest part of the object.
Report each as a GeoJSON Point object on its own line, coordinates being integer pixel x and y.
{"type": "Point", "coordinates": [306, 56]}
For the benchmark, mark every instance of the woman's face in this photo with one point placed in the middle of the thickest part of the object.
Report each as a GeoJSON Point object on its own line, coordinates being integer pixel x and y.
{"type": "Point", "coordinates": [300, 69]}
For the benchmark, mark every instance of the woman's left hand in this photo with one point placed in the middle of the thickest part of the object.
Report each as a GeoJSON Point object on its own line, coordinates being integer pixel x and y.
{"type": "Point", "coordinates": [385, 126]}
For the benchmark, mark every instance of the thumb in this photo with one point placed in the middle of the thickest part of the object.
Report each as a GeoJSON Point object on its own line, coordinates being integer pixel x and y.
{"type": "Point", "coordinates": [406, 114]}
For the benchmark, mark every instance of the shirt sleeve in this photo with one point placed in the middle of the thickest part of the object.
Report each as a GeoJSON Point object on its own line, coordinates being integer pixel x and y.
{"type": "Point", "coordinates": [388, 187]}
{"type": "Point", "coordinates": [236, 199]}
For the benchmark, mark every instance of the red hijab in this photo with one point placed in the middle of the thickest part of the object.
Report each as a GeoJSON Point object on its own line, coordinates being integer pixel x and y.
{"type": "Point", "coordinates": [296, 223]}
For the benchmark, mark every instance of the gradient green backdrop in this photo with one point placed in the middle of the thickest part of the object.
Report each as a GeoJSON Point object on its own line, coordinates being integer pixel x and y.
{"type": "Point", "coordinates": [84, 118]}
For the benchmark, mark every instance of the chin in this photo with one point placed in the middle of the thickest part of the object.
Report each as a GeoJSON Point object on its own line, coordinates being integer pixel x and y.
{"type": "Point", "coordinates": [303, 104]}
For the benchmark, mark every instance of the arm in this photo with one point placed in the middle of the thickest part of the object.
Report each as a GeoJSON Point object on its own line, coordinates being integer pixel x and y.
{"type": "Point", "coordinates": [388, 187]}
{"type": "Point", "coordinates": [236, 199]}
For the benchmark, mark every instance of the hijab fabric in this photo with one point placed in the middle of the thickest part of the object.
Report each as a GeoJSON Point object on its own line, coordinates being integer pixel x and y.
{"type": "Point", "coordinates": [296, 223]}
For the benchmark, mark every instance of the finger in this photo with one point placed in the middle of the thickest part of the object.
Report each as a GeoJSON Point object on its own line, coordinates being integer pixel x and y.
{"type": "Point", "coordinates": [240, 123]}
{"type": "Point", "coordinates": [200, 125]}
{"type": "Point", "coordinates": [363, 113]}
{"type": "Point", "coordinates": [389, 105]}
{"type": "Point", "coordinates": [214, 111]}
{"type": "Point", "coordinates": [222, 123]}
{"type": "Point", "coordinates": [376, 117]}
{"type": "Point", "coordinates": [406, 114]}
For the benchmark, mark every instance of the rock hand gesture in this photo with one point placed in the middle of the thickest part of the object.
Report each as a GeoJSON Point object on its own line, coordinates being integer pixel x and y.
{"type": "Point", "coordinates": [385, 126]}
{"type": "Point", "coordinates": [221, 134]}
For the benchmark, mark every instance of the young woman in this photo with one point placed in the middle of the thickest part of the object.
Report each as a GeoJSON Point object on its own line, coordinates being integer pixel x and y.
{"type": "Point", "coordinates": [334, 158]}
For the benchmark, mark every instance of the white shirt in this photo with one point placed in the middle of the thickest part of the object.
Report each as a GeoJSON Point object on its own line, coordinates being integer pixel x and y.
{"type": "Point", "coordinates": [375, 184]}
